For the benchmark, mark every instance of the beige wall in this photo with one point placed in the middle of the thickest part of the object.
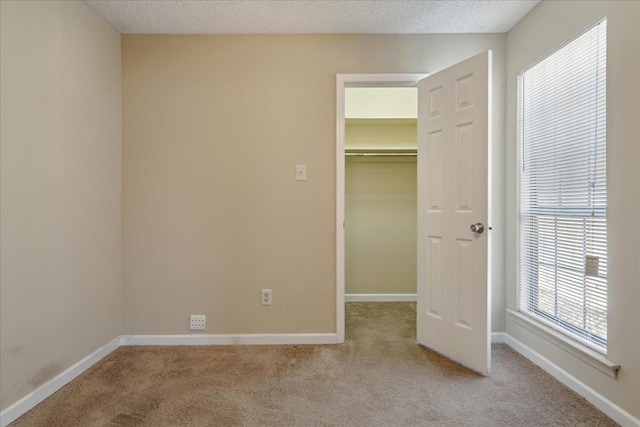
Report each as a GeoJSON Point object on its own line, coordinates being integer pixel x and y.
{"type": "Point", "coordinates": [547, 26]}
{"type": "Point", "coordinates": [213, 127]}
{"type": "Point", "coordinates": [60, 189]}
{"type": "Point", "coordinates": [381, 225]}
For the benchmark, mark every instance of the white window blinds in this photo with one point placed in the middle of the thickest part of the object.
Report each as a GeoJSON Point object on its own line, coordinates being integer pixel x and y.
{"type": "Point", "coordinates": [562, 189]}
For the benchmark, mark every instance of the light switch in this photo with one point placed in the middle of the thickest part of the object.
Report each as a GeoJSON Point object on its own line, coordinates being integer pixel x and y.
{"type": "Point", "coordinates": [301, 172]}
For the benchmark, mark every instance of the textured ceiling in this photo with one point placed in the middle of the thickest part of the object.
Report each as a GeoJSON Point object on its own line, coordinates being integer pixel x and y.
{"type": "Point", "coordinates": [311, 17]}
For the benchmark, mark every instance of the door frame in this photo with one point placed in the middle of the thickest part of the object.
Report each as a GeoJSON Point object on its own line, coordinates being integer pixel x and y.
{"type": "Point", "coordinates": [343, 81]}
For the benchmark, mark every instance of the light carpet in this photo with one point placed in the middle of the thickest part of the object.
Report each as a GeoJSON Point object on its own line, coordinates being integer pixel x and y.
{"type": "Point", "coordinates": [379, 377]}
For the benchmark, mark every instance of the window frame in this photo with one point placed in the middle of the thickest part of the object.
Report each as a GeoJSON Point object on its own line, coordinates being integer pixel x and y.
{"type": "Point", "coordinates": [536, 315]}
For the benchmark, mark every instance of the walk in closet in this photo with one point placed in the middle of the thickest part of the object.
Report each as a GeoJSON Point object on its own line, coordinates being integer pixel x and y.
{"type": "Point", "coordinates": [380, 193]}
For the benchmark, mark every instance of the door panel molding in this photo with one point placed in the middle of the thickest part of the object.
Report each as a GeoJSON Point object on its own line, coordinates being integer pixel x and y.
{"type": "Point", "coordinates": [454, 192]}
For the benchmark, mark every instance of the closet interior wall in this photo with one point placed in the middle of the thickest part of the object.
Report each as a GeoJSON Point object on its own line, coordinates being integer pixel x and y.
{"type": "Point", "coordinates": [380, 206]}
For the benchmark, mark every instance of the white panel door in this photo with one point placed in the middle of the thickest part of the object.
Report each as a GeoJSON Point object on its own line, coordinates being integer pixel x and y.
{"type": "Point", "coordinates": [454, 126]}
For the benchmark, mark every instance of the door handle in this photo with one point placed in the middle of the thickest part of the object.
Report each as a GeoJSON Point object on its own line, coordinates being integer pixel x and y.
{"type": "Point", "coordinates": [477, 228]}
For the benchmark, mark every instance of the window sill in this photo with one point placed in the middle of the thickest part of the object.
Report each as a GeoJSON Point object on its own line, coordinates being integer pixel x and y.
{"type": "Point", "coordinates": [582, 352]}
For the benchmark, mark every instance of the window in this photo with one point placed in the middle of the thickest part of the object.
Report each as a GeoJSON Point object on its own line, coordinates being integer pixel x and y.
{"type": "Point", "coordinates": [562, 189]}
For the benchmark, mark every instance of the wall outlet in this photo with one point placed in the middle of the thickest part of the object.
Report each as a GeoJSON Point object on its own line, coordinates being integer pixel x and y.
{"type": "Point", "coordinates": [266, 297]}
{"type": "Point", "coordinates": [198, 322]}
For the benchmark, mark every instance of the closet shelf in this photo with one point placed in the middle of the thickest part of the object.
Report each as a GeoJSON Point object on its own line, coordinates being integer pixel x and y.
{"type": "Point", "coordinates": [380, 152]}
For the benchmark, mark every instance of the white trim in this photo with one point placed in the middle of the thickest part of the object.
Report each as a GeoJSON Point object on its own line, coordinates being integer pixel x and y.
{"type": "Point", "coordinates": [228, 339]}
{"type": "Point", "coordinates": [612, 410]}
{"type": "Point", "coordinates": [380, 297]}
{"type": "Point", "coordinates": [579, 350]}
{"type": "Point", "coordinates": [498, 337]}
{"type": "Point", "coordinates": [342, 81]}
{"type": "Point", "coordinates": [19, 408]}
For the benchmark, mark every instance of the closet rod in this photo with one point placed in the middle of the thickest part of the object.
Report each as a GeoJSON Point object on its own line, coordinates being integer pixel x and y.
{"type": "Point", "coordinates": [380, 154]}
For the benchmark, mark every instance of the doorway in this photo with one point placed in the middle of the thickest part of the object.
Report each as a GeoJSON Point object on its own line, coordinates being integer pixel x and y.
{"type": "Point", "coordinates": [454, 200]}
{"type": "Point", "coordinates": [357, 153]}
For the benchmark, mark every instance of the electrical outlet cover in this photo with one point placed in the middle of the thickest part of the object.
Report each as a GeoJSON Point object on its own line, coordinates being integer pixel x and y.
{"type": "Point", "coordinates": [198, 322]}
{"type": "Point", "coordinates": [266, 297]}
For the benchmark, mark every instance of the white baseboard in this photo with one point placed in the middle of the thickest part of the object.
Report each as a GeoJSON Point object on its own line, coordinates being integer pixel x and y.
{"type": "Point", "coordinates": [380, 297]}
{"type": "Point", "coordinates": [229, 339]}
{"type": "Point", "coordinates": [19, 408]}
{"type": "Point", "coordinates": [615, 412]}
{"type": "Point", "coordinates": [498, 337]}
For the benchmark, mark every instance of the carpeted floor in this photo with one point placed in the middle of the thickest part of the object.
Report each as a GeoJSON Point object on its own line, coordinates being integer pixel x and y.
{"type": "Point", "coordinates": [379, 377]}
